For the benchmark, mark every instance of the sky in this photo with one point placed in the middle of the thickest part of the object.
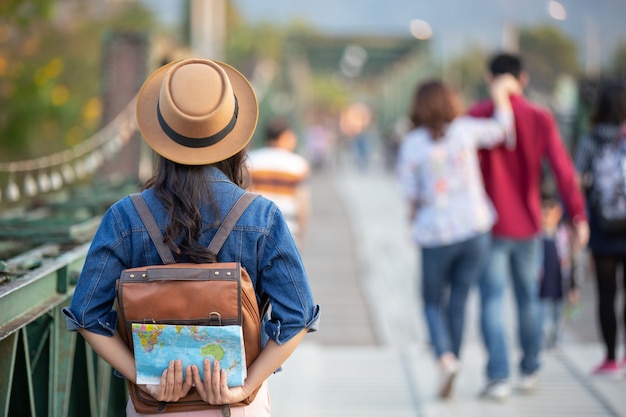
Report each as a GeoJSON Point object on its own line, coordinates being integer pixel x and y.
{"type": "Point", "coordinates": [455, 23]}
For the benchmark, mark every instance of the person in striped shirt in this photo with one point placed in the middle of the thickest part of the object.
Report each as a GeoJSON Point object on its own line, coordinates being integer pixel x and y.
{"type": "Point", "coordinates": [278, 173]}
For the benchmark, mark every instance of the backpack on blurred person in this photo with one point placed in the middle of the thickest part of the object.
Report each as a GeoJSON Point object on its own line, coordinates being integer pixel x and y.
{"type": "Point", "coordinates": [607, 191]}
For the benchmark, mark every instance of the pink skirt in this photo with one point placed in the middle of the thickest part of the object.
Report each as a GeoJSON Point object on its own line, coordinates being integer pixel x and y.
{"type": "Point", "coordinates": [260, 407]}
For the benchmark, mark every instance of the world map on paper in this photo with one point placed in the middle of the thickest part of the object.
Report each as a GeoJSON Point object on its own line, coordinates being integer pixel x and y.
{"type": "Point", "coordinates": [155, 345]}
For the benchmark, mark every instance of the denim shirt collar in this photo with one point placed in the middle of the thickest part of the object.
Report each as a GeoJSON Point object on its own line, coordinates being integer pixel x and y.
{"type": "Point", "coordinates": [215, 174]}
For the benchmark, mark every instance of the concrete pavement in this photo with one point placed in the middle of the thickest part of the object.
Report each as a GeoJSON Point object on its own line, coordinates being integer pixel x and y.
{"type": "Point", "coordinates": [371, 356]}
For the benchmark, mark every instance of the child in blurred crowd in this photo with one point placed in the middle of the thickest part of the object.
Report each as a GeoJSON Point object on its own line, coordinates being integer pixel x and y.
{"type": "Point", "coordinates": [557, 286]}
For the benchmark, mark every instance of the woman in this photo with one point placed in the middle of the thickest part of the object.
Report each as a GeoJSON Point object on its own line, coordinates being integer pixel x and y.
{"type": "Point", "coordinates": [198, 115]}
{"type": "Point", "coordinates": [450, 213]}
{"type": "Point", "coordinates": [604, 149]}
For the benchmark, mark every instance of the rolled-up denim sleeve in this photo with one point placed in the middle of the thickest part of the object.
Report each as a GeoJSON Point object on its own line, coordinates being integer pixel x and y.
{"type": "Point", "coordinates": [284, 280]}
{"type": "Point", "coordinates": [92, 302]}
{"type": "Point", "coordinates": [104, 326]}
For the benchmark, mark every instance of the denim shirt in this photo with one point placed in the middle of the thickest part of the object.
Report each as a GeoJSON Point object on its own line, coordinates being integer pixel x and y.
{"type": "Point", "coordinates": [260, 241]}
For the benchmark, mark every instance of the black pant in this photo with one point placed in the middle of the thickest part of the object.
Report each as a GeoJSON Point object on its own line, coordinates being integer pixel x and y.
{"type": "Point", "coordinates": [606, 279]}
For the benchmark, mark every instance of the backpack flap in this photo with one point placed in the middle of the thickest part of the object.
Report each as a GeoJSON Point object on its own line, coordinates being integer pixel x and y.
{"type": "Point", "coordinates": [190, 293]}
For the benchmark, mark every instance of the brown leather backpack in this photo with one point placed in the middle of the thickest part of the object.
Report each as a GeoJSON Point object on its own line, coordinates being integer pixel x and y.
{"type": "Point", "coordinates": [187, 293]}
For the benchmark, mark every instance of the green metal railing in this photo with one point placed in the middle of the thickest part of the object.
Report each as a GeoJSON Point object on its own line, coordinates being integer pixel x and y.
{"type": "Point", "coordinates": [46, 370]}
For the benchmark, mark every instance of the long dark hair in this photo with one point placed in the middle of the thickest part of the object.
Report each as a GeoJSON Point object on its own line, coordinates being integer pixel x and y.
{"type": "Point", "coordinates": [610, 105]}
{"type": "Point", "coordinates": [183, 189]}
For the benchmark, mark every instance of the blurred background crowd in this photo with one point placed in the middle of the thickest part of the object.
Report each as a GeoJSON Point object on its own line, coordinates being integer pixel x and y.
{"type": "Point", "coordinates": [340, 73]}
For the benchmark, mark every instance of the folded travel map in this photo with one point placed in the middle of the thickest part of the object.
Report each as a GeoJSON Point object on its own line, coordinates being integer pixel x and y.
{"type": "Point", "coordinates": [155, 345]}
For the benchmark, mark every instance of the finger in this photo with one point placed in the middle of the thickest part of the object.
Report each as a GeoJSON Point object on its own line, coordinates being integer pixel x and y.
{"type": "Point", "coordinates": [178, 375]}
{"type": "Point", "coordinates": [207, 373]}
{"type": "Point", "coordinates": [170, 380]}
{"type": "Point", "coordinates": [224, 383]}
{"type": "Point", "coordinates": [215, 382]}
{"type": "Point", "coordinates": [160, 390]}
{"type": "Point", "coordinates": [215, 375]}
{"type": "Point", "coordinates": [199, 383]}
{"type": "Point", "coordinates": [177, 387]}
{"type": "Point", "coordinates": [208, 382]}
{"type": "Point", "coordinates": [188, 379]}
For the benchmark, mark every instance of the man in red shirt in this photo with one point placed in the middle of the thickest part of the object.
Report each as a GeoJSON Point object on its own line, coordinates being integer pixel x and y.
{"type": "Point", "coordinates": [512, 176]}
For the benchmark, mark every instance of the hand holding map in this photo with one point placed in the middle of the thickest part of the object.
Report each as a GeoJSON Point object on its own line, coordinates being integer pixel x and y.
{"type": "Point", "coordinates": [156, 345]}
{"type": "Point", "coordinates": [213, 388]}
{"type": "Point", "coordinates": [172, 386]}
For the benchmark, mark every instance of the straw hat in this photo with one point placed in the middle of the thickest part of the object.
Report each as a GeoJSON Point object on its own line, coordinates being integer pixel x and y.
{"type": "Point", "coordinates": [197, 111]}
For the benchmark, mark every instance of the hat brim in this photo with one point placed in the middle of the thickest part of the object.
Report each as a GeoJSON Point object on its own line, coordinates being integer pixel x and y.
{"type": "Point", "coordinates": [235, 141]}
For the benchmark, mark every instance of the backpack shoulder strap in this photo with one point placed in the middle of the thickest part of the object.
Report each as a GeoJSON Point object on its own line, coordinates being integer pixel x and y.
{"type": "Point", "coordinates": [230, 221]}
{"type": "Point", "coordinates": [153, 228]}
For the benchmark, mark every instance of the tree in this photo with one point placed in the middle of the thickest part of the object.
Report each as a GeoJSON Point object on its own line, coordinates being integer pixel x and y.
{"type": "Point", "coordinates": [547, 53]}
{"type": "Point", "coordinates": [50, 60]}
{"type": "Point", "coordinates": [466, 72]}
{"type": "Point", "coordinates": [619, 60]}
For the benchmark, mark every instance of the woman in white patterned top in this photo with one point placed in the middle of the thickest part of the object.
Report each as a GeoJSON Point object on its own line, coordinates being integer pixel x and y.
{"type": "Point", "coordinates": [450, 212]}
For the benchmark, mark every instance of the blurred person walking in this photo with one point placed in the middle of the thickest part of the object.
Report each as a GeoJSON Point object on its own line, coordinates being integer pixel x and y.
{"type": "Point", "coordinates": [198, 115]}
{"type": "Point", "coordinates": [355, 123]}
{"type": "Point", "coordinates": [320, 142]}
{"type": "Point", "coordinates": [450, 213]}
{"type": "Point", "coordinates": [512, 175]}
{"type": "Point", "coordinates": [558, 288]}
{"type": "Point", "coordinates": [280, 174]}
{"type": "Point", "coordinates": [601, 160]}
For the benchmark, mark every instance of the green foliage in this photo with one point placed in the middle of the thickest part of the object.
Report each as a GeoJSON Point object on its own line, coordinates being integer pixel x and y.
{"type": "Point", "coordinates": [247, 45]}
{"type": "Point", "coordinates": [467, 72]}
{"type": "Point", "coordinates": [132, 17]}
{"type": "Point", "coordinates": [619, 60]}
{"type": "Point", "coordinates": [50, 62]}
{"type": "Point", "coordinates": [325, 93]}
{"type": "Point", "coordinates": [547, 53]}
{"type": "Point", "coordinates": [23, 12]}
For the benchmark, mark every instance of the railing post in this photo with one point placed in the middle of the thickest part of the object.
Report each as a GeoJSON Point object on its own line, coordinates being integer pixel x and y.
{"type": "Point", "coordinates": [8, 348]}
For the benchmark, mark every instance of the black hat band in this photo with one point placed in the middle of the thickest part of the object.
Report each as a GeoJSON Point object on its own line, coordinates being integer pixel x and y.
{"type": "Point", "coordinates": [197, 142]}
